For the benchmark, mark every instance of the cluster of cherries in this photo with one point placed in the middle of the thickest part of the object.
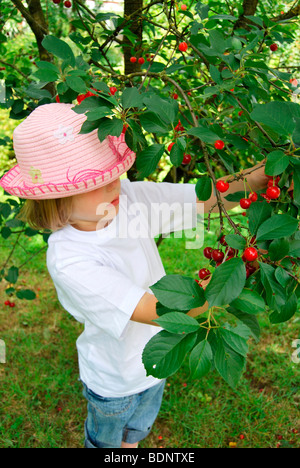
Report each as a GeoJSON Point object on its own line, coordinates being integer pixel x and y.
{"type": "Point", "coordinates": [272, 192]}
{"type": "Point", "coordinates": [217, 255]}
{"type": "Point", "coordinates": [67, 3]}
{"type": "Point", "coordinates": [9, 304]}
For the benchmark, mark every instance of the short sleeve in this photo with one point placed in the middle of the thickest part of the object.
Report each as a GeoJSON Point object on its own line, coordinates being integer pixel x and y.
{"type": "Point", "coordinates": [170, 207]}
{"type": "Point", "coordinates": [98, 294]}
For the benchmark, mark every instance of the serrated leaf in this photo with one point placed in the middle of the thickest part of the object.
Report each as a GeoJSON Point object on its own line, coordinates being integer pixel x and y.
{"type": "Point", "coordinates": [235, 241]}
{"type": "Point", "coordinates": [228, 363]}
{"type": "Point", "coordinates": [277, 162]}
{"type": "Point", "coordinates": [59, 48]}
{"type": "Point", "coordinates": [76, 83]}
{"type": "Point", "coordinates": [275, 114]}
{"type": "Point", "coordinates": [164, 353]}
{"type": "Point", "coordinates": [226, 283]}
{"type": "Point", "coordinates": [148, 159]}
{"type": "Point", "coordinates": [178, 322]}
{"type": "Point", "coordinates": [247, 319]}
{"type": "Point", "coordinates": [286, 312]}
{"type": "Point", "coordinates": [108, 127]}
{"type": "Point", "coordinates": [237, 342]}
{"type": "Point", "coordinates": [131, 98]}
{"type": "Point", "coordinates": [204, 188]}
{"type": "Point", "coordinates": [279, 225]}
{"type": "Point", "coordinates": [250, 302]}
{"type": "Point", "coordinates": [178, 292]}
{"type": "Point", "coordinates": [257, 214]}
{"type": "Point", "coordinates": [200, 361]}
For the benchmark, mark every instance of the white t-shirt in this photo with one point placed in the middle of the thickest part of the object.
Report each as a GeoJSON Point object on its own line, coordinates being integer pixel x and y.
{"type": "Point", "coordinates": [100, 277]}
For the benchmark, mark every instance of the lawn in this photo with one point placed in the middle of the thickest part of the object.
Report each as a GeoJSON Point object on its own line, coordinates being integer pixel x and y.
{"type": "Point", "coordinates": [41, 397]}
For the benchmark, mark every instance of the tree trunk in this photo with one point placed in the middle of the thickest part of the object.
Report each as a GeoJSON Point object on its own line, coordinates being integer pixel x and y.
{"type": "Point", "coordinates": [249, 9]}
{"type": "Point", "coordinates": [132, 10]}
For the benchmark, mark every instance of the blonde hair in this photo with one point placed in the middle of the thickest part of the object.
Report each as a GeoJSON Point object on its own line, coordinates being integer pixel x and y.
{"type": "Point", "coordinates": [50, 214]}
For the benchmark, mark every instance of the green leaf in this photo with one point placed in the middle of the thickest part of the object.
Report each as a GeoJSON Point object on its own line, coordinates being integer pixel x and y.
{"type": "Point", "coordinates": [131, 98]}
{"type": "Point", "coordinates": [46, 75]}
{"type": "Point", "coordinates": [178, 322]}
{"type": "Point", "coordinates": [165, 352]}
{"type": "Point", "coordinates": [166, 109]}
{"type": "Point", "coordinates": [237, 342]}
{"type": "Point", "coordinates": [278, 249]}
{"type": "Point", "coordinates": [247, 319]}
{"type": "Point", "coordinates": [26, 294]}
{"type": "Point", "coordinates": [76, 83]}
{"type": "Point", "coordinates": [294, 250]}
{"type": "Point", "coordinates": [276, 163]}
{"type": "Point", "coordinates": [287, 310]}
{"type": "Point", "coordinates": [279, 225]}
{"type": "Point", "coordinates": [296, 178]}
{"type": "Point", "coordinates": [111, 127]}
{"type": "Point", "coordinates": [257, 214]}
{"type": "Point", "coordinates": [235, 241]}
{"type": "Point", "coordinates": [275, 293]}
{"type": "Point", "coordinates": [12, 275]}
{"type": "Point", "coordinates": [200, 360]}
{"type": "Point", "coordinates": [215, 74]}
{"type": "Point", "coordinates": [275, 114]}
{"type": "Point", "coordinates": [98, 113]}
{"type": "Point", "coordinates": [59, 48]}
{"type": "Point", "coordinates": [226, 283]}
{"type": "Point", "coordinates": [250, 302]}
{"type": "Point", "coordinates": [152, 123]}
{"type": "Point", "coordinates": [228, 363]}
{"type": "Point", "coordinates": [204, 134]}
{"type": "Point", "coordinates": [148, 159]}
{"type": "Point", "coordinates": [176, 154]}
{"type": "Point", "coordinates": [178, 292]}
{"type": "Point", "coordinates": [204, 188]}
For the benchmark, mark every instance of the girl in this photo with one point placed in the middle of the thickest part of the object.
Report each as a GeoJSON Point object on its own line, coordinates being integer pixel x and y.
{"type": "Point", "coordinates": [102, 258]}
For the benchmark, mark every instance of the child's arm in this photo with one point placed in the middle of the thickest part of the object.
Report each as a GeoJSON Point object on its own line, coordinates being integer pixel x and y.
{"type": "Point", "coordinates": [145, 311]}
{"type": "Point", "coordinates": [257, 180]}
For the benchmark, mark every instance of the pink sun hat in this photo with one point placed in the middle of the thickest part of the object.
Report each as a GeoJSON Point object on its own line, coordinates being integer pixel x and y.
{"type": "Point", "coordinates": [55, 161]}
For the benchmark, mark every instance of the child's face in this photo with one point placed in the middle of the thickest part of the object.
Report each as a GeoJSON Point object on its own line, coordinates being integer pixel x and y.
{"type": "Point", "coordinates": [96, 209]}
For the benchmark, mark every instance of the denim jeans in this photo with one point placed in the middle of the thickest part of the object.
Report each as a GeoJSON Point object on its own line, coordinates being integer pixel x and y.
{"type": "Point", "coordinates": [113, 420]}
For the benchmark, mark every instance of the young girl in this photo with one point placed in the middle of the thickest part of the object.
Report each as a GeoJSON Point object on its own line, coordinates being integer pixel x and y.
{"type": "Point", "coordinates": [102, 258]}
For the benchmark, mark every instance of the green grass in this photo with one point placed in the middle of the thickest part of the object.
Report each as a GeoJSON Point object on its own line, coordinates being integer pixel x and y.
{"type": "Point", "coordinates": [41, 397]}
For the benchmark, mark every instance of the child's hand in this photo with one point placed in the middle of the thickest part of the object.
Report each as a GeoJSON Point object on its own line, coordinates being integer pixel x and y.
{"type": "Point", "coordinates": [258, 179]}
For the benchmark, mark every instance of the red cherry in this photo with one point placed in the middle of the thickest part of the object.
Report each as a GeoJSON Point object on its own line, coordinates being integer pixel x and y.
{"type": "Point", "coordinates": [133, 59]}
{"type": "Point", "coordinates": [207, 252]}
{"type": "Point", "coordinates": [222, 240]}
{"type": "Point", "coordinates": [204, 273]}
{"type": "Point", "coordinates": [67, 4]}
{"type": "Point", "coordinates": [253, 196]}
{"type": "Point", "coordinates": [219, 144]}
{"type": "Point", "coordinates": [242, 437]}
{"type": "Point", "coordinates": [250, 254]}
{"type": "Point", "coordinates": [175, 96]}
{"type": "Point", "coordinates": [245, 203]}
{"type": "Point", "coordinates": [141, 60]}
{"type": "Point", "coordinates": [186, 158]}
{"type": "Point", "coordinates": [57, 2]}
{"type": "Point", "coordinates": [217, 255]}
{"type": "Point", "coordinates": [183, 7]}
{"type": "Point", "coordinates": [125, 126]}
{"type": "Point", "coordinates": [231, 252]}
{"type": "Point", "coordinates": [273, 47]}
{"type": "Point", "coordinates": [7, 303]}
{"type": "Point", "coordinates": [12, 304]}
{"type": "Point", "coordinates": [170, 146]}
{"type": "Point", "coordinates": [222, 186]}
{"type": "Point", "coordinates": [273, 192]}
{"type": "Point", "coordinates": [183, 46]}
{"type": "Point", "coordinates": [112, 90]}
{"type": "Point", "coordinates": [249, 269]}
